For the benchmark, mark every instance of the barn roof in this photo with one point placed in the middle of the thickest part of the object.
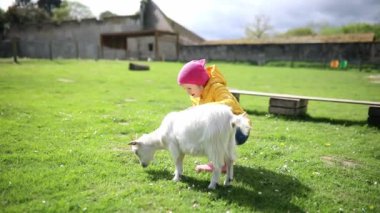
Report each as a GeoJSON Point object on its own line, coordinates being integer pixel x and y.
{"type": "Point", "coordinates": [154, 19]}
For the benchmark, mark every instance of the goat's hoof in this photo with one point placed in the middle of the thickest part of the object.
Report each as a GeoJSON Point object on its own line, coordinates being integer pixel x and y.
{"type": "Point", "coordinates": [212, 186]}
{"type": "Point", "coordinates": [176, 179]}
{"type": "Point", "coordinates": [228, 182]}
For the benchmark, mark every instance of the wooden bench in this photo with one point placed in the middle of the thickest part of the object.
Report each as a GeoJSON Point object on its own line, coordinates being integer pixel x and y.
{"type": "Point", "coordinates": [295, 105]}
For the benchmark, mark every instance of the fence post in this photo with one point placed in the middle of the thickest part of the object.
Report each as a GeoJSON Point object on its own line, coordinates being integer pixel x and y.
{"type": "Point", "coordinates": [14, 49]}
{"type": "Point", "coordinates": [97, 53]}
{"type": "Point", "coordinates": [50, 51]}
{"type": "Point", "coordinates": [76, 48]}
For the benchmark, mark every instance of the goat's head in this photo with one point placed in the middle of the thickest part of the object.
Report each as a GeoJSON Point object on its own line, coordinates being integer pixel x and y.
{"type": "Point", "coordinates": [144, 151]}
{"type": "Point", "coordinates": [243, 123]}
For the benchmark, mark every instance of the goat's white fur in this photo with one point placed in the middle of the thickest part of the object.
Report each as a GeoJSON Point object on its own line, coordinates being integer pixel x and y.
{"type": "Point", "coordinates": [204, 130]}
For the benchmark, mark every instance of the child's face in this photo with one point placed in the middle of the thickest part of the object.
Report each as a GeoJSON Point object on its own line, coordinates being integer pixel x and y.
{"type": "Point", "coordinates": [193, 89]}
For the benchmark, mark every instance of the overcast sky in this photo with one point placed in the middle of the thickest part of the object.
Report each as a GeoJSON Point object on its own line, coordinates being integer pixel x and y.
{"type": "Point", "coordinates": [227, 19]}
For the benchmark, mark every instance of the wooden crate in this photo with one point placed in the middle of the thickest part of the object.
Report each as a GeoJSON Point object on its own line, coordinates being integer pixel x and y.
{"type": "Point", "coordinates": [288, 106]}
{"type": "Point", "coordinates": [374, 116]}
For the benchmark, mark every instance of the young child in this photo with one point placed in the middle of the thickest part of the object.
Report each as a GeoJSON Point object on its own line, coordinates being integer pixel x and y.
{"type": "Point", "coordinates": [205, 85]}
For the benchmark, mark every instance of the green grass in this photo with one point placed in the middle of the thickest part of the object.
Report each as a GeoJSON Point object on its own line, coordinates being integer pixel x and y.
{"type": "Point", "coordinates": [324, 65]}
{"type": "Point", "coordinates": [65, 125]}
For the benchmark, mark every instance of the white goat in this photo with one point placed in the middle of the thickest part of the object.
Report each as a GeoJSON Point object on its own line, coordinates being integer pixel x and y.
{"type": "Point", "coordinates": [207, 129]}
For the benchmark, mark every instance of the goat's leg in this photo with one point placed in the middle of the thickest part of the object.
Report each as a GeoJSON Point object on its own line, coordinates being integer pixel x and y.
{"type": "Point", "coordinates": [178, 167]}
{"type": "Point", "coordinates": [230, 172]}
{"type": "Point", "coordinates": [215, 177]}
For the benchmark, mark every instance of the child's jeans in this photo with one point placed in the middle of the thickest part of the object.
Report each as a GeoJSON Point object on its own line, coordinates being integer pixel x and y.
{"type": "Point", "coordinates": [240, 137]}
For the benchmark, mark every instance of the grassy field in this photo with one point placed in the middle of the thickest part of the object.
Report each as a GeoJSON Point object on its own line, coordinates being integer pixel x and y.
{"type": "Point", "coordinates": [65, 125]}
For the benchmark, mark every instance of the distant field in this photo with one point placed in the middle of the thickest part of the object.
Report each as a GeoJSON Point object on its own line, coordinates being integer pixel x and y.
{"type": "Point", "coordinates": [65, 125]}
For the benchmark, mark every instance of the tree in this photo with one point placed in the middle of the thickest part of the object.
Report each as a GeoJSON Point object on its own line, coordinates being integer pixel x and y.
{"type": "Point", "coordinates": [27, 14]}
{"type": "Point", "coordinates": [258, 28]}
{"type": "Point", "coordinates": [62, 13]}
{"type": "Point", "coordinates": [301, 31]}
{"type": "Point", "coordinates": [25, 11]}
{"type": "Point", "coordinates": [79, 11]}
{"type": "Point", "coordinates": [107, 14]}
{"type": "Point", "coordinates": [48, 5]}
{"type": "Point", "coordinates": [22, 3]}
{"type": "Point", "coordinates": [317, 26]}
{"type": "Point", "coordinates": [329, 30]}
{"type": "Point", "coordinates": [3, 23]}
{"type": "Point", "coordinates": [71, 11]}
{"type": "Point", "coordinates": [352, 28]}
{"type": "Point", "coordinates": [361, 28]}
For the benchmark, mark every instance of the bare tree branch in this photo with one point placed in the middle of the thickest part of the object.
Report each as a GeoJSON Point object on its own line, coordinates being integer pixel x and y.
{"type": "Point", "coordinates": [259, 28]}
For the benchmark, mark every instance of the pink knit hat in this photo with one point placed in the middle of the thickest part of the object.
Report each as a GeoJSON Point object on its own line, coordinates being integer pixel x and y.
{"type": "Point", "coordinates": [193, 72]}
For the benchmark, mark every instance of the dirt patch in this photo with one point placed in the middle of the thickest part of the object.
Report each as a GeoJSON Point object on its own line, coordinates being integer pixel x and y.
{"type": "Point", "coordinates": [65, 80]}
{"type": "Point", "coordinates": [374, 79]}
{"type": "Point", "coordinates": [130, 100]}
{"type": "Point", "coordinates": [335, 161]}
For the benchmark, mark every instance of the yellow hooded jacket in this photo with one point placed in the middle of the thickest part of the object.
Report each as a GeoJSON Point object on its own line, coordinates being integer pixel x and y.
{"type": "Point", "coordinates": [216, 90]}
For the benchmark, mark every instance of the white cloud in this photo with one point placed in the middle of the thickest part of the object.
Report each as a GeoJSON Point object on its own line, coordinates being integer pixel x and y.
{"type": "Point", "coordinates": [226, 19]}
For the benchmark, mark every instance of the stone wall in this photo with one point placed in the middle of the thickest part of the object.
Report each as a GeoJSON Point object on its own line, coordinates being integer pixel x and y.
{"type": "Point", "coordinates": [355, 53]}
{"type": "Point", "coordinates": [81, 39]}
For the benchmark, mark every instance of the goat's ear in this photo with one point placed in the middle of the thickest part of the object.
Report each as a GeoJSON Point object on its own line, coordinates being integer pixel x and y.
{"type": "Point", "coordinates": [133, 143]}
{"type": "Point", "coordinates": [133, 137]}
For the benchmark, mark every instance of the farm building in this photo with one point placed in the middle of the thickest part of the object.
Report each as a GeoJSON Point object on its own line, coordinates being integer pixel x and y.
{"type": "Point", "coordinates": [150, 34]}
{"type": "Point", "coordinates": [147, 34]}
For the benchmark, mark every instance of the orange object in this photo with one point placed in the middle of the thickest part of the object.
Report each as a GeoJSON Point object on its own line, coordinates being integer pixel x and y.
{"type": "Point", "coordinates": [334, 64]}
